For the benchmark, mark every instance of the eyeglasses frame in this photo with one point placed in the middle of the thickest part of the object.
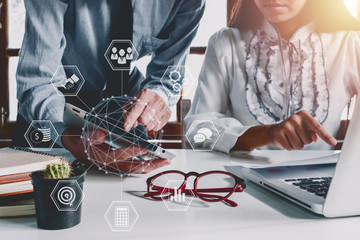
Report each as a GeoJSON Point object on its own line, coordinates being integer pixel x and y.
{"type": "Point", "coordinates": [238, 187]}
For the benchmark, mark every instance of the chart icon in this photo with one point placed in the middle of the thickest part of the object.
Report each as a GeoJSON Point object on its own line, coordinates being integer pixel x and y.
{"type": "Point", "coordinates": [177, 196]}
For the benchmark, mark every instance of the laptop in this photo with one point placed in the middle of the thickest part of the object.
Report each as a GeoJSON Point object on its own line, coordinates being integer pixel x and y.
{"type": "Point", "coordinates": [328, 189]}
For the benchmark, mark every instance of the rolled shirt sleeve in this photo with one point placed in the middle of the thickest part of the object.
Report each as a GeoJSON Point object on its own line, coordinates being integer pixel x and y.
{"type": "Point", "coordinates": [39, 57]}
{"type": "Point", "coordinates": [212, 98]}
{"type": "Point", "coordinates": [176, 36]}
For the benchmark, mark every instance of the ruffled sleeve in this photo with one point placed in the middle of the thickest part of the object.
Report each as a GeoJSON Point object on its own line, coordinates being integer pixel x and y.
{"type": "Point", "coordinates": [212, 99]}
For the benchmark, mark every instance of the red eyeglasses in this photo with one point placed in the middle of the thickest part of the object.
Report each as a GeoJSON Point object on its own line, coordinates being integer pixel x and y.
{"type": "Point", "coordinates": [212, 186]}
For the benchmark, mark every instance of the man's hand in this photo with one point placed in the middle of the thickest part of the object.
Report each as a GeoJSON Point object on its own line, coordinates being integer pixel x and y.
{"type": "Point", "coordinates": [297, 131]}
{"type": "Point", "coordinates": [113, 160]}
{"type": "Point", "coordinates": [150, 110]}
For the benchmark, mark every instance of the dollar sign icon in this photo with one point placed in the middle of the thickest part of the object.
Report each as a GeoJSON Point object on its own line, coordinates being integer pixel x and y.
{"type": "Point", "coordinates": [36, 136]}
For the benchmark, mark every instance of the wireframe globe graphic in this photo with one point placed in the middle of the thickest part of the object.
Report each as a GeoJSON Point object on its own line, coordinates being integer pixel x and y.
{"type": "Point", "coordinates": [121, 153]}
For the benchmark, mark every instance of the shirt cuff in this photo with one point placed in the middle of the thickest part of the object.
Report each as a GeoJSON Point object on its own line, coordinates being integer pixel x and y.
{"type": "Point", "coordinates": [228, 139]}
{"type": "Point", "coordinates": [162, 95]}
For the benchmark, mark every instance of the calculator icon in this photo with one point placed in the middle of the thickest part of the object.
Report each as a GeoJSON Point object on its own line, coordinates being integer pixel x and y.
{"type": "Point", "coordinates": [121, 216]}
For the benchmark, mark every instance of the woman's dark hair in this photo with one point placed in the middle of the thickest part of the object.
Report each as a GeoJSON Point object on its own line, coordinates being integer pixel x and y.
{"type": "Point", "coordinates": [331, 15]}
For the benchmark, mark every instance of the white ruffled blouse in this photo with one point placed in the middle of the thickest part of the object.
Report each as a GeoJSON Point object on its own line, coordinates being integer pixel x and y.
{"type": "Point", "coordinates": [251, 78]}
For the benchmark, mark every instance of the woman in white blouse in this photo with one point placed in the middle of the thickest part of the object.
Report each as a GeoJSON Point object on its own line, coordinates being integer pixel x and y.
{"type": "Point", "coordinates": [280, 77]}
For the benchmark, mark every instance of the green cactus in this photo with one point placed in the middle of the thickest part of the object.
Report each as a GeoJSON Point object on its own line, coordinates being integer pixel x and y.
{"type": "Point", "coordinates": [58, 170]}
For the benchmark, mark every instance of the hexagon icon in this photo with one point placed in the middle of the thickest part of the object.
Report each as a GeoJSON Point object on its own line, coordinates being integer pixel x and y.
{"type": "Point", "coordinates": [68, 80]}
{"type": "Point", "coordinates": [67, 195]}
{"type": "Point", "coordinates": [202, 135]}
{"type": "Point", "coordinates": [120, 54]}
{"type": "Point", "coordinates": [175, 79]}
{"type": "Point", "coordinates": [180, 199]}
{"type": "Point", "coordinates": [121, 216]}
{"type": "Point", "coordinates": [41, 134]}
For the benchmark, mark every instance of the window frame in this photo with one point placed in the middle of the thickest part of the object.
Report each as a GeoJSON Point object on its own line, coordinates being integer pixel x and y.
{"type": "Point", "coordinates": [6, 128]}
{"type": "Point", "coordinates": [172, 130]}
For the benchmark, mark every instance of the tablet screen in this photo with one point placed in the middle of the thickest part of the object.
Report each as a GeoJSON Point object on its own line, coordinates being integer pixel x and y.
{"type": "Point", "coordinates": [109, 116]}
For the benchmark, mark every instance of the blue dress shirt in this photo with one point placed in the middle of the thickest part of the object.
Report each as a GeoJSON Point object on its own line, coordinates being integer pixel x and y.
{"type": "Point", "coordinates": [77, 32]}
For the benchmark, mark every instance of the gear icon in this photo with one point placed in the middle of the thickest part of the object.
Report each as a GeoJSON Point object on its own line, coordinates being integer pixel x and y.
{"type": "Point", "coordinates": [175, 76]}
{"type": "Point", "coordinates": [177, 87]}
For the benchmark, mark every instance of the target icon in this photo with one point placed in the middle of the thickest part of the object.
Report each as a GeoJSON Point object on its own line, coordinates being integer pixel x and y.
{"type": "Point", "coordinates": [66, 196]}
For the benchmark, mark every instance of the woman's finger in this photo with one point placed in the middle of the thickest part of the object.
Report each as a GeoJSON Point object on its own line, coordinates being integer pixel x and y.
{"type": "Point", "coordinates": [317, 128]}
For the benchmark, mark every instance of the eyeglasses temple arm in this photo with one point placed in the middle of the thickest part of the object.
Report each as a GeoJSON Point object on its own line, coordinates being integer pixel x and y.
{"type": "Point", "coordinates": [219, 190]}
{"type": "Point", "coordinates": [228, 201]}
{"type": "Point", "coordinates": [240, 188]}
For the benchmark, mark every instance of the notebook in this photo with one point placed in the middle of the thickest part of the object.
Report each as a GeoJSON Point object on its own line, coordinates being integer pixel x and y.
{"type": "Point", "coordinates": [15, 166]}
{"type": "Point", "coordinates": [23, 206]}
{"type": "Point", "coordinates": [15, 160]}
{"type": "Point", "coordinates": [16, 163]}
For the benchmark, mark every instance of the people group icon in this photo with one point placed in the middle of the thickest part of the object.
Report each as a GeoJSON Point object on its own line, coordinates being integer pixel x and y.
{"type": "Point", "coordinates": [121, 57]}
{"type": "Point", "coordinates": [114, 55]}
{"type": "Point", "coordinates": [129, 55]}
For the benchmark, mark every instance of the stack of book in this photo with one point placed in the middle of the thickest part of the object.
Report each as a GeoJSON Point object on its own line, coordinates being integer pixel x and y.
{"type": "Point", "coordinates": [16, 190]}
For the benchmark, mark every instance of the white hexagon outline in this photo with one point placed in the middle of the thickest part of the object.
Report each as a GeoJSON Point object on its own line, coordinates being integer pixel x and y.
{"type": "Point", "coordinates": [119, 203]}
{"type": "Point", "coordinates": [82, 80]}
{"type": "Point", "coordinates": [53, 140]}
{"type": "Point", "coordinates": [187, 72]}
{"type": "Point", "coordinates": [179, 210]}
{"type": "Point", "coordinates": [190, 129]}
{"type": "Point", "coordinates": [56, 203]}
{"type": "Point", "coordinates": [135, 54]}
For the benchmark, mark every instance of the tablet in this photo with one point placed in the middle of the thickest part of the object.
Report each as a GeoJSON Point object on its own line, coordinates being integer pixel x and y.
{"type": "Point", "coordinates": [76, 117]}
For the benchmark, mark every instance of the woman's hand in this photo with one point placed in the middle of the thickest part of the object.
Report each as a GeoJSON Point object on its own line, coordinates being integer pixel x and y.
{"type": "Point", "coordinates": [297, 131]}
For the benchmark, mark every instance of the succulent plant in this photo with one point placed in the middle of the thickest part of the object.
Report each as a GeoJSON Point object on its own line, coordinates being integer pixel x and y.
{"type": "Point", "coordinates": [58, 170]}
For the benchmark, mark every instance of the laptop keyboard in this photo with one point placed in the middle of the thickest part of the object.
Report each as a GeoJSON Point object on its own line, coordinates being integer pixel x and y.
{"type": "Point", "coordinates": [318, 185]}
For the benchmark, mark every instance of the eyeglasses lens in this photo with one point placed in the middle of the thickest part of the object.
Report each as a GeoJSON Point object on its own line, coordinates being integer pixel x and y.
{"type": "Point", "coordinates": [215, 186]}
{"type": "Point", "coordinates": [165, 185]}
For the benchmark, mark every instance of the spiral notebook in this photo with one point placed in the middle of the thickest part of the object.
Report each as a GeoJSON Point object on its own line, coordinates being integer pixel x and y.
{"type": "Point", "coordinates": [15, 160]}
{"type": "Point", "coordinates": [15, 166]}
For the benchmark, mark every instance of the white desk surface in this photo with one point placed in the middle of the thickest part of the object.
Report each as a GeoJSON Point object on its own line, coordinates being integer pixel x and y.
{"type": "Point", "coordinates": [260, 214]}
